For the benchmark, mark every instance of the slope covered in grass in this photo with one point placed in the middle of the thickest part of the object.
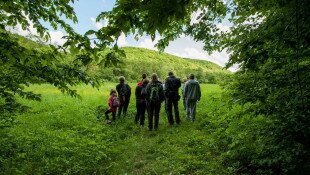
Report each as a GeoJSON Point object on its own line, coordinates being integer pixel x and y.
{"type": "Point", "coordinates": [141, 60]}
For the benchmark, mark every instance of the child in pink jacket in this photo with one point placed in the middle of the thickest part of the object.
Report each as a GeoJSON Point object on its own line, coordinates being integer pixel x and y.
{"type": "Point", "coordinates": [113, 103]}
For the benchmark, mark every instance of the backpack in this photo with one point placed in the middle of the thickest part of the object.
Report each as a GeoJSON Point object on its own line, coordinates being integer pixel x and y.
{"type": "Point", "coordinates": [115, 102]}
{"type": "Point", "coordinates": [175, 82]}
{"type": "Point", "coordinates": [143, 91]}
{"type": "Point", "coordinates": [123, 91]}
{"type": "Point", "coordinates": [155, 94]}
{"type": "Point", "coordinates": [172, 92]}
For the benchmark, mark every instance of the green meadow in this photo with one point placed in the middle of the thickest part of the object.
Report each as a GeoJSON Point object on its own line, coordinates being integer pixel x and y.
{"type": "Point", "coordinates": [63, 135]}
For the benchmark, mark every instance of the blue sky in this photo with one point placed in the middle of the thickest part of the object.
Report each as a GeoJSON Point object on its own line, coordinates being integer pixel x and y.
{"type": "Point", "coordinates": [87, 11]}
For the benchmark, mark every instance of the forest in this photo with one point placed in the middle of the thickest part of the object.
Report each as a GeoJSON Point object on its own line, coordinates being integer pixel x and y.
{"type": "Point", "coordinates": [254, 121]}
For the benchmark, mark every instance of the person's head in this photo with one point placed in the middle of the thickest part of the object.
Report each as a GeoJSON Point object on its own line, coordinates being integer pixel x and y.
{"type": "Point", "coordinates": [112, 92]}
{"type": "Point", "coordinates": [191, 76]}
{"type": "Point", "coordinates": [170, 73]}
{"type": "Point", "coordinates": [121, 79]}
{"type": "Point", "coordinates": [144, 76]}
{"type": "Point", "coordinates": [184, 80]}
{"type": "Point", "coordinates": [145, 81]}
{"type": "Point", "coordinates": [154, 77]}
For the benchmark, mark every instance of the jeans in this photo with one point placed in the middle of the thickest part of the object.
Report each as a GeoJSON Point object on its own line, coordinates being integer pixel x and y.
{"type": "Point", "coordinates": [191, 109]}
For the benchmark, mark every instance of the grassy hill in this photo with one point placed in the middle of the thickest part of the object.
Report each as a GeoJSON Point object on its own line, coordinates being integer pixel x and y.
{"type": "Point", "coordinates": [141, 60]}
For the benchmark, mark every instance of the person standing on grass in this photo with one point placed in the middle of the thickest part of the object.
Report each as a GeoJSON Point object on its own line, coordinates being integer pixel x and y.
{"type": "Point", "coordinates": [183, 98]}
{"type": "Point", "coordinates": [140, 83]}
{"type": "Point", "coordinates": [155, 96]}
{"type": "Point", "coordinates": [172, 85]}
{"type": "Point", "coordinates": [143, 77]}
{"type": "Point", "coordinates": [113, 103]}
{"type": "Point", "coordinates": [192, 94]}
{"type": "Point", "coordinates": [165, 101]}
{"type": "Point", "coordinates": [124, 93]}
{"type": "Point", "coordinates": [141, 94]}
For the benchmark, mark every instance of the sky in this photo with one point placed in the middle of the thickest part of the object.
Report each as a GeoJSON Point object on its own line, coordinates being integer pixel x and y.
{"type": "Point", "coordinates": [87, 11]}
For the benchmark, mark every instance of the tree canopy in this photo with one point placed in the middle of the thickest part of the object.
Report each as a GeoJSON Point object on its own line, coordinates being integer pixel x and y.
{"type": "Point", "coordinates": [22, 64]}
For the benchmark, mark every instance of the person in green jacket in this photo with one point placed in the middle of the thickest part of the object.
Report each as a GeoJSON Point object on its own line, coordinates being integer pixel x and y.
{"type": "Point", "coordinates": [191, 94]}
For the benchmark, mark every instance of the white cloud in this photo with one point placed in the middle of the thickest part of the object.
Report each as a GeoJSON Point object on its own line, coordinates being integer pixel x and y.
{"type": "Point", "coordinates": [148, 43]}
{"type": "Point", "coordinates": [19, 30]}
{"type": "Point", "coordinates": [121, 41]}
{"type": "Point", "coordinates": [100, 24]}
{"type": "Point", "coordinates": [234, 68]}
{"type": "Point", "coordinates": [56, 37]}
{"type": "Point", "coordinates": [194, 53]}
{"type": "Point", "coordinates": [219, 58]}
{"type": "Point", "coordinates": [194, 17]}
{"type": "Point", "coordinates": [182, 35]}
{"type": "Point", "coordinates": [223, 28]}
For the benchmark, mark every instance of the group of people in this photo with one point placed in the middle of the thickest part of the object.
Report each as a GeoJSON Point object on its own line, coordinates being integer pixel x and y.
{"type": "Point", "coordinates": [149, 97]}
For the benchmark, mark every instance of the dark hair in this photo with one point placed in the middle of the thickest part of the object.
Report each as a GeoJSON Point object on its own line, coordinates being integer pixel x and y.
{"type": "Point", "coordinates": [191, 76]}
{"type": "Point", "coordinates": [145, 81]}
{"type": "Point", "coordinates": [121, 79]}
{"type": "Point", "coordinates": [112, 91]}
{"type": "Point", "coordinates": [154, 77]}
{"type": "Point", "coordinates": [170, 73]}
{"type": "Point", "coordinates": [144, 76]}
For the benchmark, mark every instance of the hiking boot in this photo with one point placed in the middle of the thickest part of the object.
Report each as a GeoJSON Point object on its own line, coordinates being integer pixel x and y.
{"type": "Point", "coordinates": [108, 122]}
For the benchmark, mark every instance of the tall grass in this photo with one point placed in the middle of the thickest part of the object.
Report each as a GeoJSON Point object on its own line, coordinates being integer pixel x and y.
{"type": "Point", "coordinates": [62, 135]}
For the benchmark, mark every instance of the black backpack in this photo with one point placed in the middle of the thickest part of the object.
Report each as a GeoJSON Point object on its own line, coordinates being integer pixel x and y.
{"type": "Point", "coordinates": [143, 91]}
{"type": "Point", "coordinates": [123, 92]}
{"type": "Point", "coordinates": [174, 85]}
{"type": "Point", "coordinates": [155, 93]}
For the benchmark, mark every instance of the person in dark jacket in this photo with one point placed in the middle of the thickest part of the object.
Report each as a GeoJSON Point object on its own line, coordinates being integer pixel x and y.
{"type": "Point", "coordinates": [140, 83]}
{"type": "Point", "coordinates": [155, 96]}
{"type": "Point", "coordinates": [191, 94]}
{"type": "Point", "coordinates": [124, 93]}
{"type": "Point", "coordinates": [141, 94]}
{"type": "Point", "coordinates": [172, 85]}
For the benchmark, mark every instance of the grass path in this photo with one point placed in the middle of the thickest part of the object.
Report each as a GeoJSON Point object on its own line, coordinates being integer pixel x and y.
{"type": "Point", "coordinates": [166, 151]}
